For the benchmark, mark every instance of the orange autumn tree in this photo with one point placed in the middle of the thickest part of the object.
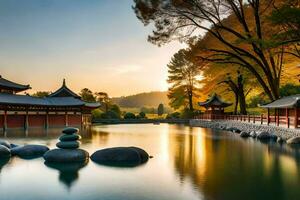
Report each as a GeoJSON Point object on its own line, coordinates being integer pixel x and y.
{"type": "Point", "coordinates": [236, 33]}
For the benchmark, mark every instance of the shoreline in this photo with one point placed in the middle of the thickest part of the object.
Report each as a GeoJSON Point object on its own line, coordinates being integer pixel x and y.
{"type": "Point", "coordinates": [282, 132]}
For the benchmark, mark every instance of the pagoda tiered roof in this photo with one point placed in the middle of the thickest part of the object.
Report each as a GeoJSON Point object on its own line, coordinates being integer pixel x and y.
{"type": "Point", "coordinates": [214, 101]}
{"type": "Point", "coordinates": [64, 91]}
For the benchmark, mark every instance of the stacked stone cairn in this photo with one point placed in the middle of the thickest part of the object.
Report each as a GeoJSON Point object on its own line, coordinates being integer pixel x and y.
{"type": "Point", "coordinates": [68, 148]}
{"type": "Point", "coordinates": [69, 139]}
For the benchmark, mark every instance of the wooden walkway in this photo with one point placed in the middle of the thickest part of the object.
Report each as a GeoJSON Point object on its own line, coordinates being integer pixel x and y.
{"type": "Point", "coordinates": [284, 121]}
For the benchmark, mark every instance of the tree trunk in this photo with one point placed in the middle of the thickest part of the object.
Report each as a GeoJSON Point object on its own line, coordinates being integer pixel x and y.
{"type": "Point", "coordinates": [236, 103]}
{"type": "Point", "coordinates": [242, 101]}
{"type": "Point", "coordinates": [191, 101]}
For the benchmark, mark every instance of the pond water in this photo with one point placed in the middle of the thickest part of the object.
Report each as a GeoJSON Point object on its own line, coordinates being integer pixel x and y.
{"type": "Point", "coordinates": [188, 163]}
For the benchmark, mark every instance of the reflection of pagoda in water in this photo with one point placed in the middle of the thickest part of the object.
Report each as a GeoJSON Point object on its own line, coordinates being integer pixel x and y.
{"type": "Point", "coordinates": [68, 172]}
{"type": "Point", "coordinates": [218, 172]}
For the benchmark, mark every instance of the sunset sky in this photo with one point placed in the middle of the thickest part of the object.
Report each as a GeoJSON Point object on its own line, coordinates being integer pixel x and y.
{"type": "Point", "coordinates": [98, 44]}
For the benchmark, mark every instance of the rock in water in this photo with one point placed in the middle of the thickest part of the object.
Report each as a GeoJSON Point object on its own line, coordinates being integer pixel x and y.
{"type": "Point", "coordinates": [5, 143]}
{"type": "Point", "coordinates": [70, 130]}
{"type": "Point", "coordinates": [66, 155]}
{"type": "Point", "coordinates": [244, 134]}
{"type": "Point", "coordinates": [29, 151]}
{"type": "Point", "coordinates": [120, 156]}
{"type": "Point", "coordinates": [4, 152]}
{"type": "Point", "coordinates": [263, 136]}
{"type": "Point", "coordinates": [280, 140]}
{"type": "Point", "coordinates": [253, 134]}
{"type": "Point", "coordinates": [68, 145]}
{"type": "Point", "coordinates": [66, 138]}
{"type": "Point", "coordinates": [293, 140]}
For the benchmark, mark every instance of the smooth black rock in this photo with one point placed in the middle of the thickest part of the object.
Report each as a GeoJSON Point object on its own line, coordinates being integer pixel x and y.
{"type": "Point", "coordinates": [4, 152]}
{"type": "Point", "coordinates": [29, 151]}
{"type": "Point", "coordinates": [120, 156]}
{"type": "Point", "coordinates": [263, 136]}
{"type": "Point", "coordinates": [66, 138]}
{"type": "Point", "coordinates": [5, 143]}
{"type": "Point", "coordinates": [14, 145]}
{"type": "Point", "coordinates": [244, 134]}
{"type": "Point", "coordinates": [293, 141]}
{"type": "Point", "coordinates": [66, 155]}
{"type": "Point", "coordinates": [68, 145]}
{"type": "Point", "coordinates": [70, 130]}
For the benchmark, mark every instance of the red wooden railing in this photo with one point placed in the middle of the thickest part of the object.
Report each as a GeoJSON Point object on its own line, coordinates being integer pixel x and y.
{"type": "Point", "coordinates": [256, 119]}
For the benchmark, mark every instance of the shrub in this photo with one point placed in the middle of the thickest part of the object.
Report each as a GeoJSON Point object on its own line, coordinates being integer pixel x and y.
{"type": "Point", "coordinates": [129, 115]}
{"type": "Point", "coordinates": [142, 115]}
{"type": "Point", "coordinates": [187, 114]}
{"type": "Point", "coordinates": [174, 115]}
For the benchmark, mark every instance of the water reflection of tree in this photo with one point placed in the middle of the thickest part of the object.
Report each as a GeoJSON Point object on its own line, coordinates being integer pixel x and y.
{"type": "Point", "coordinates": [230, 168]}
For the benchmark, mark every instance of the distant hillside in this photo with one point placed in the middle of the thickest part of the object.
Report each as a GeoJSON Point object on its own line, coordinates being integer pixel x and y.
{"type": "Point", "coordinates": [150, 99]}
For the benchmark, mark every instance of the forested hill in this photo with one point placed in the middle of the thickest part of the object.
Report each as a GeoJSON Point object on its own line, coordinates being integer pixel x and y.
{"type": "Point", "coordinates": [150, 99]}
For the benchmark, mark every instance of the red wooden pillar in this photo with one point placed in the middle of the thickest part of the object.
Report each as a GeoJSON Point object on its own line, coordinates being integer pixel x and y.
{"type": "Point", "coordinates": [287, 117]}
{"type": "Point", "coordinates": [47, 120]}
{"type": "Point", "coordinates": [261, 119]}
{"type": "Point", "coordinates": [277, 117]}
{"type": "Point", "coordinates": [26, 124]}
{"type": "Point", "coordinates": [66, 119]}
{"type": "Point", "coordinates": [268, 115]}
{"type": "Point", "coordinates": [296, 118]}
{"type": "Point", "coordinates": [5, 121]}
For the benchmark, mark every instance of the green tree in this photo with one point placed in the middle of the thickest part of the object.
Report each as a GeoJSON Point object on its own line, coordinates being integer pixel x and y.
{"type": "Point", "coordinates": [129, 115]}
{"type": "Point", "coordinates": [87, 95]}
{"type": "Point", "coordinates": [183, 79]}
{"type": "Point", "coordinates": [160, 109]}
{"type": "Point", "coordinates": [289, 89]}
{"type": "Point", "coordinates": [142, 115]}
{"type": "Point", "coordinates": [41, 94]}
{"type": "Point", "coordinates": [104, 99]}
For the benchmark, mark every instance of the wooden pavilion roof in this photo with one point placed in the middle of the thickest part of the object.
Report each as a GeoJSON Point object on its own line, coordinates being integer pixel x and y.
{"type": "Point", "coordinates": [9, 85]}
{"type": "Point", "coordinates": [214, 101]}
{"type": "Point", "coordinates": [285, 102]}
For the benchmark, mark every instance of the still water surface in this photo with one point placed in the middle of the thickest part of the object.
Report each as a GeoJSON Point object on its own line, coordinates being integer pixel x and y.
{"type": "Point", "coordinates": [188, 164]}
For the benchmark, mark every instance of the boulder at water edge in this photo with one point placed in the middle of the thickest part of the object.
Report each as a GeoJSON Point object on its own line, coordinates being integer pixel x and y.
{"type": "Point", "coordinates": [4, 152]}
{"type": "Point", "coordinates": [66, 155]}
{"type": "Point", "coordinates": [263, 135]}
{"type": "Point", "coordinates": [5, 143]}
{"type": "Point", "coordinates": [120, 156]}
{"type": "Point", "coordinates": [29, 151]}
{"type": "Point", "coordinates": [280, 140]}
{"type": "Point", "coordinates": [253, 134]}
{"type": "Point", "coordinates": [293, 140]}
{"type": "Point", "coordinates": [244, 134]}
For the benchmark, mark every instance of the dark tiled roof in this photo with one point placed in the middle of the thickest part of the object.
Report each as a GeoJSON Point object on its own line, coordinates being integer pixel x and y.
{"type": "Point", "coordinates": [216, 101]}
{"type": "Point", "coordinates": [64, 91]}
{"type": "Point", "coordinates": [25, 100]}
{"type": "Point", "coordinates": [6, 84]}
{"type": "Point", "coordinates": [285, 102]}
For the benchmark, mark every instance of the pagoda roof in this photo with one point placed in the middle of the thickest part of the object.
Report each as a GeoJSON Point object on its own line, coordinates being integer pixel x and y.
{"type": "Point", "coordinates": [214, 101]}
{"type": "Point", "coordinates": [26, 100]}
{"type": "Point", "coordinates": [9, 85]}
{"type": "Point", "coordinates": [64, 91]}
{"type": "Point", "coordinates": [285, 102]}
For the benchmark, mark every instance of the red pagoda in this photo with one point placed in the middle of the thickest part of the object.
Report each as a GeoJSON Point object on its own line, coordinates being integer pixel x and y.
{"type": "Point", "coordinates": [61, 108]}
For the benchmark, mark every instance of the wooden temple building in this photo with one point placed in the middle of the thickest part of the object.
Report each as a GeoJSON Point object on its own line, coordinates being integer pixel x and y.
{"type": "Point", "coordinates": [214, 106]}
{"type": "Point", "coordinates": [61, 108]}
{"type": "Point", "coordinates": [286, 109]}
